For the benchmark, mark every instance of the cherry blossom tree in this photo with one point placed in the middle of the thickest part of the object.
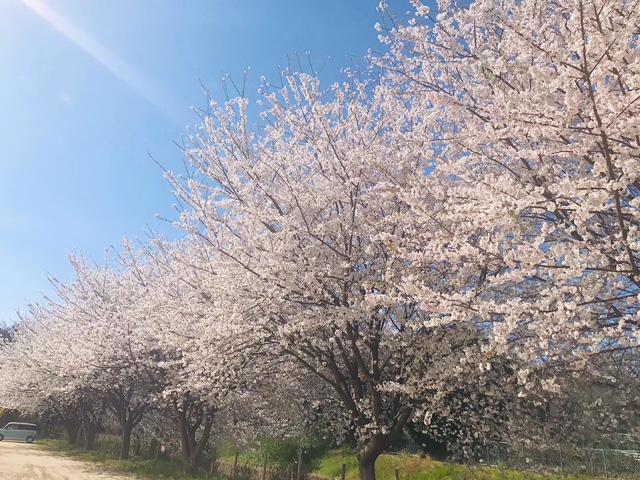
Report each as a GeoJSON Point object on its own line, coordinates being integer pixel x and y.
{"type": "Point", "coordinates": [300, 218]}
{"type": "Point", "coordinates": [529, 112]}
{"type": "Point", "coordinates": [35, 380]}
{"type": "Point", "coordinates": [105, 307]}
{"type": "Point", "coordinates": [93, 342]}
{"type": "Point", "coordinates": [199, 356]}
{"type": "Point", "coordinates": [139, 332]}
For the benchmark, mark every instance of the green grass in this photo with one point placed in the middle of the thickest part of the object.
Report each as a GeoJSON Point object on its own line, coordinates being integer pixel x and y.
{"type": "Point", "coordinates": [151, 469]}
{"type": "Point", "coordinates": [243, 458]}
{"type": "Point", "coordinates": [329, 465]}
{"type": "Point", "coordinates": [414, 468]}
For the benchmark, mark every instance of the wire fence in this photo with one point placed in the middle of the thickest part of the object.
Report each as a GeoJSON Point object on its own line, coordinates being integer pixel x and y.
{"type": "Point", "coordinates": [596, 462]}
{"type": "Point", "coordinates": [622, 462]}
{"type": "Point", "coordinates": [151, 449]}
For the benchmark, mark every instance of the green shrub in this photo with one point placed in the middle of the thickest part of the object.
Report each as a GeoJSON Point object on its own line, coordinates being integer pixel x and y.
{"type": "Point", "coordinates": [284, 452]}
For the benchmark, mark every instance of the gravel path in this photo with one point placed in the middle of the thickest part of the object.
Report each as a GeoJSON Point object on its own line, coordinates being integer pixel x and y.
{"type": "Point", "coordinates": [21, 461]}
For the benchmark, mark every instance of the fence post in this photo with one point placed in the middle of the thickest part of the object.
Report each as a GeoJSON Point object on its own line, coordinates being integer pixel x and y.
{"type": "Point", "coordinates": [299, 476]}
{"type": "Point", "coordinates": [213, 461]}
{"type": "Point", "coordinates": [157, 450]}
{"type": "Point", "coordinates": [561, 462]}
{"type": "Point", "coordinates": [344, 471]}
{"type": "Point", "coordinates": [397, 474]}
{"type": "Point", "coordinates": [235, 466]}
{"type": "Point", "coordinates": [264, 467]}
{"type": "Point", "coordinates": [604, 459]}
{"type": "Point", "coordinates": [173, 454]}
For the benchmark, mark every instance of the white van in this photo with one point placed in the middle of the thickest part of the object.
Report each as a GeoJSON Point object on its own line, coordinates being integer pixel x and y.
{"type": "Point", "coordinates": [18, 431]}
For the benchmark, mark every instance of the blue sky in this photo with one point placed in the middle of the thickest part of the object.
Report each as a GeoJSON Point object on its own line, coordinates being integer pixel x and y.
{"type": "Point", "coordinates": [89, 88]}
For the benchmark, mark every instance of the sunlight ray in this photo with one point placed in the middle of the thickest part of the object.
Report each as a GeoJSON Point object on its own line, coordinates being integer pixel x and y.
{"type": "Point", "coordinates": [152, 92]}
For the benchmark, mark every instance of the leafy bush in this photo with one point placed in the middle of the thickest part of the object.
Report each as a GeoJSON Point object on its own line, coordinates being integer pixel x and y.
{"type": "Point", "coordinates": [284, 452]}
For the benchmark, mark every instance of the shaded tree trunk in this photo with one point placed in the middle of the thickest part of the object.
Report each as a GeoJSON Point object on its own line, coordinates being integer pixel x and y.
{"type": "Point", "coordinates": [71, 422]}
{"type": "Point", "coordinates": [90, 431]}
{"type": "Point", "coordinates": [369, 453]}
{"type": "Point", "coordinates": [355, 381]}
{"type": "Point", "coordinates": [128, 422]}
{"type": "Point", "coordinates": [125, 446]}
{"type": "Point", "coordinates": [137, 446]}
{"type": "Point", "coordinates": [91, 418]}
{"type": "Point", "coordinates": [370, 449]}
{"type": "Point", "coordinates": [367, 468]}
{"type": "Point", "coordinates": [128, 413]}
{"type": "Point", "coordinates": [71, 429]}
{"type": "Point", "coordinates": [191, 416]}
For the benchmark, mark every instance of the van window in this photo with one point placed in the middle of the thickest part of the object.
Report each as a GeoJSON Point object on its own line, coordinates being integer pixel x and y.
{"type": "Point", "coordinates": [20, 426]}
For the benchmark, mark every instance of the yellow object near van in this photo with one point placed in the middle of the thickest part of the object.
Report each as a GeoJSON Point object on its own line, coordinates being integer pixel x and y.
{"type": "Point", "coordinates": [18, 431]}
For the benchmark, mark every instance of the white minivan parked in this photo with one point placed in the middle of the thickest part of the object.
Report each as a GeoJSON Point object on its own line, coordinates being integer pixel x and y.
{"type": "Point", "coordinates": [18, 431]}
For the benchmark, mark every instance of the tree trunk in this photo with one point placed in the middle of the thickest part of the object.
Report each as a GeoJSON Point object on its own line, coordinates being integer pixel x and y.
{"type": "Point", "coordinates": [129, 414]}
{"type": "Point", "coordinates": [80, 438]}
{"type": "Point", "coordinates": [90, 431]}
{"type": "Point", "coordinates": [71, 429]}
{"type": "Point", "coordinates": [191, 467]}
{"type": "Point", "coordinates": [367, 467]}
{"type": "Point", "coordinates": [188, 461]}
{"type": "Point", "coordinates": [137, 446]}
{"type": "Point", "coordinates": [371, 448]}
{"type": "Point", "coordinates": [369, 453]}
{"type": "Point", "coordinates": [192, 449]}
{"type": "Point", "coordinates": [126, 442]}
{"type": "Point", "coordinates": [189, 418]}
{"type": "Point", "coordinates": [90, 418]}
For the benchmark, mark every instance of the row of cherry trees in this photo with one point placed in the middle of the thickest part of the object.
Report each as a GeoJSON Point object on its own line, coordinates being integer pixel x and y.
{"type": "Point", "coordinates": [138, 343]}
{"type": "Point", "coordinates": [454, 240]}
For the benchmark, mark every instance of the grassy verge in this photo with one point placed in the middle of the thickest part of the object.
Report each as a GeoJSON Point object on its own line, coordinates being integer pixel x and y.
{"type": "Point", "coordinates": [141, 468]}
{"type": "Point", "coordinates": [329, 465]}
{"type": "Point", "coordinates": [414, 468]}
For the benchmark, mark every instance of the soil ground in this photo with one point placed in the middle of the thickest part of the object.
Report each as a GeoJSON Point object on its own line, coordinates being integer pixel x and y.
{"type": "Point", "coordinates": [23, 461]}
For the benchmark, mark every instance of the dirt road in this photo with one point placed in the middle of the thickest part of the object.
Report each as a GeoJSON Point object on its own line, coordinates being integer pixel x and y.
{"type": "Point", "coordinates": [21, 461]}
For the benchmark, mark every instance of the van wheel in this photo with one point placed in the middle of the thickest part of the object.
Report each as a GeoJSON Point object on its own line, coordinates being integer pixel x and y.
{"type": "Point", "coordinates": [1, 437]}
{"type": "Point", "coordinates": [29, 439]}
